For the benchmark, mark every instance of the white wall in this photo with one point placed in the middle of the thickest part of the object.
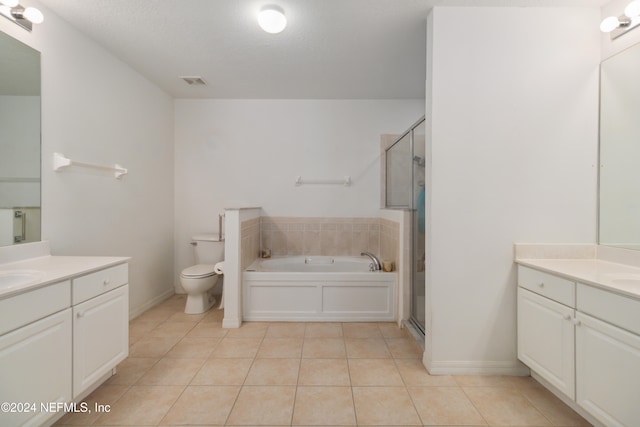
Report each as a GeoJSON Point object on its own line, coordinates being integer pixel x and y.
{"type": "Point", "coordinates": [97, 109]}
{"type": "Point", "coordinates": [514, 152]}
{"type": "Point", "coordinates": [231, 153]}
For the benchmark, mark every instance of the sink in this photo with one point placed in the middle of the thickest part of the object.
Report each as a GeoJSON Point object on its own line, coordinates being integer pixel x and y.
{"type": "Point", "coordinates": [628, 279]}
{"type": "Point", "coordinates": [10, 279]}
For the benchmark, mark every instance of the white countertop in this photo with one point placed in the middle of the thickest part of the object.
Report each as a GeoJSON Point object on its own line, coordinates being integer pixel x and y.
{"type": "Point", "coordinates": [55, 269]}
{"type": "Point", "coordinates": [619, 278]}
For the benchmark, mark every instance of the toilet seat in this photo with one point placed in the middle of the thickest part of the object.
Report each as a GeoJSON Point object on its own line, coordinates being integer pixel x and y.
{"type": "Point", "coordinates": [198, 271]}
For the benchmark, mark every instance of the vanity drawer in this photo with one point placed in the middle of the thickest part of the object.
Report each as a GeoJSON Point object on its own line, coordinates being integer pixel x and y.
{"type": "Point", "coordinates": [548, 285]}
{"type": "Point", "coordinates": [22, 309]}
{"type": "Point", "coordinates": [99, 282]}
{"type": "Point", "coordinates": [608, 306]}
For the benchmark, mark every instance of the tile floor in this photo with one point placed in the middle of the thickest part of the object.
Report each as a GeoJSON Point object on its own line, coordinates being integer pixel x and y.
{"type": "Point", "coordinates": [187, 370]}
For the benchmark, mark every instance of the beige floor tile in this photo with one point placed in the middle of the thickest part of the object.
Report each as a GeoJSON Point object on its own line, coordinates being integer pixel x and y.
{"type": "Point", "coordinates": [280, 348]}
{"type": "Point", "coordinates": [172, 372]}
{"type": "Point", "coordinates": [286, 330]}
{"type": "Point", "coordinates": [104, 395]}
{"type": "Point", "coordinates": [208, 330]}
{"type": "Point", "coordinates": [153, 346]}
{"type": "Point", "coordinates": [361, 330]}
{"type": "Point", "coordinates": [367, 348]}
{"type": "Point", "coordinates": [199, 405]}
{"type": "Point", "coordinates": [324, 372]}
{"type": "Point", "coordinates": [377, 406]}
{"type": "Point", "coordinates": [193, 348]}
{"type": "Point", "coordinates": [181, 316]}
{"type": "Point", "coordinates": [444, 406]}
{"type": "Point", "coordinates": [131, 369]}
{"type": "Point", "coordinates": [156, 314]}
{"type": "Point", "coordinates": [404, 348]}
{"type": "Point", "coordinates": [321, 348]}
{"type": "Point", "coordinates": [249, 330]}
{"type": "Point", "coordinates": [263, 405]}
{"type": "Point", "coordinates": [552, 408]}
{"type": "Point", "coordinates": [391, 330]}
{"type": "Point", "coordinates": [237, 347]}
{"type": "Point", "coordinates": [141, 405]}
{"type": "Point", "coordinates": [141, 327]}
{"type": "Point", "coordinates": [486, 381]}
{"type": "Point", "coordinates": [324, 406]}
{"type": "Point", "coordinates": [273, 372]}
{"type": "Point", "coordinates": [222, 372]}
{"type": "Point", "coordinates": [414, 373]}
{"type": "Point", "coordinates": [374, 372]}
{"type": "Point", "coordinates": [323, 330]}
{"type": "Point", "coordinates": [172, 329]}
{"type": "Point", "coordinates": [504, 406]}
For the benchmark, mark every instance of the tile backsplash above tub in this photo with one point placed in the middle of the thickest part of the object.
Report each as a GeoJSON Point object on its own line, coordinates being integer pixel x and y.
{"type": "Point", "coordinates": [293, 236]}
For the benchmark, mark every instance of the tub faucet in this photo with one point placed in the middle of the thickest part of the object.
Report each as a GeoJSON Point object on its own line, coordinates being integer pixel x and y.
{"type": "Point", "coordinates": [375, 266]}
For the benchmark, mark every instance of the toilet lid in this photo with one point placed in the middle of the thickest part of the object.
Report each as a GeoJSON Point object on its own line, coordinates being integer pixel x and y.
{"type": "Point", "coordinates": [199, 270]}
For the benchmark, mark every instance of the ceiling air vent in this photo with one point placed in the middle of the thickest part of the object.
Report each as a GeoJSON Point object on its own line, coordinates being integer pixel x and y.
{"type": "Point", "coordinates": [194, 80]}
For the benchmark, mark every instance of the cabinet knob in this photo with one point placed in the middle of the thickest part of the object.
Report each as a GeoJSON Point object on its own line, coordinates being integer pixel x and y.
{"type": "Point", "coordinates": [106, 282]}
{"type": "Point", "coordinates": [567, 317]}
{"type": "Point", "coordinates": [81, 314]}
{"type": "Point", "coordinates": [541, 284]}
{"type": "Point", "coordinates": [577, 322]}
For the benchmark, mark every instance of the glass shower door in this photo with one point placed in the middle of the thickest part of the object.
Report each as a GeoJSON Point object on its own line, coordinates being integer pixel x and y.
{"type": "Point", "coordinates": [418, 228]}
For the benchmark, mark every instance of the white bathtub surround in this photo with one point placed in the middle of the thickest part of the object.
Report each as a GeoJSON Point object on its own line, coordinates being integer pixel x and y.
{"type": "Point", "coordinates": [322, 288]}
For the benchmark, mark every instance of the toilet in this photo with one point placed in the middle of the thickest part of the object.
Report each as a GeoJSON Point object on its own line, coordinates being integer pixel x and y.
{"type": "Point", "coordinates": [198, 280]}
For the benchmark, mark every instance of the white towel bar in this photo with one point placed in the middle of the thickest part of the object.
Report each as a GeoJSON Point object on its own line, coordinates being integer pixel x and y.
{"type": "Point", "coordinates": [346, 181]}
{"type": "Point", "coordinates": [60, 162]}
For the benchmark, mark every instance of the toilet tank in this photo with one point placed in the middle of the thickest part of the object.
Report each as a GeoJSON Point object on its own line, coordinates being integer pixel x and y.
{"type": "Point", "coordinates": [208, 248]}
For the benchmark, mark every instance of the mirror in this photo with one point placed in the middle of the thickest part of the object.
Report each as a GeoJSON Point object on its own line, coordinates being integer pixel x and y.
{"type": "Point", "coordinates": [619, 196]}
{"type": "Point", "coordinates": [19, 142]}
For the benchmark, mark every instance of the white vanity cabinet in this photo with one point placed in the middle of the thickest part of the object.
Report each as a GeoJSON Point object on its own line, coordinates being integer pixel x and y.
{"type": "Point", "coordinates": [61, 338]}
{"type": "Point", "coordinates": [584, 341]}
{"type": "Point", "coordinates": [608, 356]}
{"type": "Point", "coordinates": [35, 358]}
{"type": "Point", "coordinates": [100, 325]}
{"type": "Point", "coordinates": [545, 327]}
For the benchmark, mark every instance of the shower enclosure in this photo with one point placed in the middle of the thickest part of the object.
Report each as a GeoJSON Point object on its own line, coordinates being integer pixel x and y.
{"type": "Point", "coordinates": [405, 189]}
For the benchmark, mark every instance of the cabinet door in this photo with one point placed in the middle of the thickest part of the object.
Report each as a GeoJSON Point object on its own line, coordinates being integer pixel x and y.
{"type": "Point", "coordinates": [35, 368]}
{"type": "Point", "coordinates": [546, 339]}
{"type": "Point", "coordinates": [608, 372]}
{"type": "Point", "coordinates": [100, 336]}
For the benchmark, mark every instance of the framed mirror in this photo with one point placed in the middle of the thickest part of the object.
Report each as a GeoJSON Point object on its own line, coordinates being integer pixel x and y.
{"type": "Point", "coordinates": [619, 180]}
{"type": "Point", "coordinates": [20, 157]}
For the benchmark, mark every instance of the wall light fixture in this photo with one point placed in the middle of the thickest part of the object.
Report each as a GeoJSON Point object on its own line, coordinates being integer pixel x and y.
{"type": "Point", "coordinates": [620, 25]}
{"type": "Point", "coordinates": [272, 19]}
{"type": "Point", "coordinates": [23, 16]}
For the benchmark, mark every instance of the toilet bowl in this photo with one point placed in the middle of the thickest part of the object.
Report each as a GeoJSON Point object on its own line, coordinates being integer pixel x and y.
{"type": "Point", "coordinates": [198, 280]}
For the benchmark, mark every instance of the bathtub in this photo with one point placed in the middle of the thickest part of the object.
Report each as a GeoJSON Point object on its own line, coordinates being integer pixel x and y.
{"type": "Point", "coordinates": [318, 288]}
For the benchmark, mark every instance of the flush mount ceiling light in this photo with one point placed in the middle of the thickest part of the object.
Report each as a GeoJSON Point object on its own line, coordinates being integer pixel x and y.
{"type": "Point", "coordinates": [620, 25]}
{"type": "Point", "coordinates": [24, 17]}
{"type": "Point", "coordinates": [272, 19]}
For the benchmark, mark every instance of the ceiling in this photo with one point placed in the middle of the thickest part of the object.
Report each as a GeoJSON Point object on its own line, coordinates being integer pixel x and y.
{"type": "Point", "coordinates": [331, 49]}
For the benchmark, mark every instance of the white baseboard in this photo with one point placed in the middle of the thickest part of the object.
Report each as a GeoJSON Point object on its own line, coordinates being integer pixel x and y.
{"type": "Point", "coordinates": [475, 367]}
{"type": "Point", "coordinates": [133, 313]}
{"type": "Point", "coordinates": [231, 323]}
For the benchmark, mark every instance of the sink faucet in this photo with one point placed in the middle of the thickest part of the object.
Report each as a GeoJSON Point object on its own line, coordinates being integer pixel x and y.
{"type": "Point", "coordinates": [375, 262]}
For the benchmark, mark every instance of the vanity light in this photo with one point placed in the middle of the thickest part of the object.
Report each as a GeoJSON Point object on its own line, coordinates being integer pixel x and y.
{"type": "Point", "coordinates": [272, 19]}
{"type": "Point", "coordinates": [618, 26]}
{"type": "Point", "coordinates": [24, 17]}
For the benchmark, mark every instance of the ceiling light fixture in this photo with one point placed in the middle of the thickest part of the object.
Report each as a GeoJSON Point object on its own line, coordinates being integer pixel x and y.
{"type": "Point", "coordinates": [24, 17]}
{"type": "Point", "coordinates": [620, 25]}
{"type": "Point", "coordinates": [272, 19]}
